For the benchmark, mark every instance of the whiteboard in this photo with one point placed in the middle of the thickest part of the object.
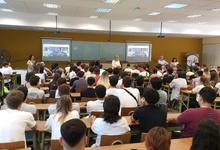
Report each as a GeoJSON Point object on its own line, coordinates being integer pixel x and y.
{"type": "Point", "coordinates": [211, 54]}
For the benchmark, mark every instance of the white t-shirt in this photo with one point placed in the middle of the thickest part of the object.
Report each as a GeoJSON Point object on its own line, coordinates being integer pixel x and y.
{"type": "Point", "coordinates": [196, 90]}
{"type": "Point", "coordinates": [41, 76]}
{"type": "Point", "coordinates": [28, 108]}
{"type": "Point", "coordinates": [94, 106]}
{"type": "Point", "coordinates": [52, 108]}
{"type": "Point", "coordinates": [30, 66]}
{"type": "Point", "coordinates": [35, 93]}
{"type": "Point", "coordinates": [119, 84]}
{"type": "Point", "coordinates": [100, 127]}
{"type": "Point", "coordinates": [126, 100]}
{"type": "Point", "coordinates": [72, 75]}
{"type": "Point", "coordinates": [162, 62]}
{"type": "Point", "coordinates": [128, 70]}
{"type": "Point", "coordinates": [6, 71]}
{"type": "Point", "coordinates": [176, 84]}
{"type": "Point", "coordinates": [13, 124]}
{"type": "Point", "coordinates": [53, 125]}
{"type": "Point", "coordinates": [112, 91]}
{"type": "Point", "coordinates": [218, 87]}
{"type": "Point", "coordinates": [116, 64]}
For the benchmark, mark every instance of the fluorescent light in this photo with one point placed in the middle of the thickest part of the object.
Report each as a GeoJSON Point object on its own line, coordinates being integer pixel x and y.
{"type": "Point", "coordinates": [50, 5]}
{"type": "Point", "coordinates": [103, 10]}
{"type": "Point", "coordinates": [154, 13]}
{"type": "Point", "coordinates": [216, 9]}
{"type": "Point", "coordinates": [171, 21]}
{"type": "Point", "coordinates": [201, 23]}
{"type": "Point", "coordinates": [194, 16]}
{"type": "Point", "coordinates": [52, 14]}
{"type": "Point", "coordinates": [137, 19]}
{"type": "Point", "coordinates": [175, 5]}
{"type": "Point", "coordinates": [93, 17]}
{"type": "Point", "coordinates": [111, 1]}
{"type": "Point", "coordinates": [2, 2]}
{"type": "Point", "coordinates": [6, 10]}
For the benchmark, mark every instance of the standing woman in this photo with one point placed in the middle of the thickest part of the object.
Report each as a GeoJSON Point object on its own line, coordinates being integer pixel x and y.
{"type": "Point", "coordinates": [30, 63]}
{"type": "Point", "coordinates": [116, 62]}
{"type": "Point", "coordinates": [174, 62]}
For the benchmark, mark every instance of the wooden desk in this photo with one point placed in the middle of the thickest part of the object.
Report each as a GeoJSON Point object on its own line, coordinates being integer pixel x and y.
{"type": "Point", "coordinates": [176, 144]}
{"type": "Point", "coordinates": [24, 149]}
{"type": "Point", "coordinates": [43, 107]}
{"type": "Point", "coordinates": [72, 95]}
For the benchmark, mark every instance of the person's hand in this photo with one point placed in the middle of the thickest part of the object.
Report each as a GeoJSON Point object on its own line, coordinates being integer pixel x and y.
{"type": "Point", "coordinates": [92, 119]}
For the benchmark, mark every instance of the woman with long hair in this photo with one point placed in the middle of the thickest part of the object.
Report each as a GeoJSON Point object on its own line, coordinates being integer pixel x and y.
{"type": "Point", "coordinates": [104, 80]}
{"type": "Point", "coordinates": [63, 113]}
{"type": "Point", "coordinates": [30, 63]}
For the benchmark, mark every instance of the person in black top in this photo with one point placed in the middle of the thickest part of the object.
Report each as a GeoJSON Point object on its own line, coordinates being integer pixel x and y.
{"type": "Point", "coordinates": [169, 76]}
{"type": "Point", "coordinates": [149, 115]}
{"type": "Point", "coordinates": [90, 91]}
{"type": "Point", "coordinates": [140, 84]}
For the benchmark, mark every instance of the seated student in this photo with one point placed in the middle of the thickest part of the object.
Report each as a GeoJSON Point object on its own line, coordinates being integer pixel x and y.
{"type": "Point", "coordinates": [196, 81]}
{"type": "Point", "coordinates": [64, 112]}
{"type": "Point", "coordinates": [63, 89]}
{"type": "Point", "coordinates": [128, 68]}
{"type": "Point", "coordinates": [40, 74]}
{"type": "Point", "coordinates": [73, 135]}
{"type": "Point", "coordinates": [158, 138]}
{"type": "Point", "coordinates": [129, 97]}
{"type": "Point", "coordinates": [81, 84]}
{"type": "Point", "coordinates": [54, 83]}
{"type": "Point", "coordinates": [34, 92]}
{"type": "Point", "coordinates": [176, 84]}
{"type": "Point", "coordinates": [217, 87]}
{"type": "Point", "coordinates": [14, 121]}
{"type": "Point", "coordinates": [90, 91]}
{"type": "Point", "coordinates": [150, 115]}
{"type": "Point", "coordinates": [60, 81]}
{"type": "Point", "coordinates": [122, 75]}
{"type": "Point", "coordinates": [6, 70]}
{"type": "Point", "coordinates": [192, 117]}
{"type": "Point", "coordinates": [207, 136]}
{"type": "Point", "coordinates": [113, 80]}
{"type": "Point", "coordinates": [140, 84]}
{"type": "Point", "coordinates": [27, 79]}
{"type": "Point", "coordinates": [110, 123]}
{"type": "Point", "coordinates": [157, 84]}
{"type": "Point", "coordinates": [104, 80]}
{"type": "Point", "coordinates": [97, 105]}
{"type": "Point", "coordinates": [167, 78]}
{"type": "Point", "coordinates": [96, 73]}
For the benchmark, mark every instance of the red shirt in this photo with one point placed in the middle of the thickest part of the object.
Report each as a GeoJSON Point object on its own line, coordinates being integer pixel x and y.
{"type": "Point", "coordinates": [97, 79]}
{"type": "Point", "coordinates": [192, 117]}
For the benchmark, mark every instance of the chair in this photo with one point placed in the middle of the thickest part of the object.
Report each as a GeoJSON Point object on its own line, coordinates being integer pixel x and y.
{"type": "Point", "coordinates": [55, 145]}
{"type": "Point", "coordinates": [96, 113]}
{"type": "Point", "coordinates": [12, 145]}
{"type": "Point", "coordinates": [115, 139]}
{"type": "Point", "coordinates": [143, 135]}
{"type": "Point", "coordinates": [128, 111]}
{"type": "Point", "coordinates": [86, 99]}
{"type": "Point", "coordinates": [51, 100]}
{"type": "Point", "coordinates": [33, 101]}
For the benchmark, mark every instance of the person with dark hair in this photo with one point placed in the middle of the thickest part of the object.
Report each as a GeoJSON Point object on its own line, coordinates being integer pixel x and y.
{"type": "Point", "coordinates": [167, 78]}
{"type": "Point", "coordinates": [64, 112]}
{"type": "Point", "coordinates": [128, 68]}
{"type": "Point", "coordinates": [214, 78]}
{"type": "Point", "coordinates": [34, 92]}
{"type": "Point", "coordinates": [178, 83]}
{"type": "Point", "coordinates": [15, 121]}
{"type": "Point", "coordinates": [113, 80]}
{"type": "Point", "coordinates": [210, 130]}
{"type": "Point", "coordinates": [129, 97]}
{"type": "Point", "coordinates": [140, 84]}
{"type": "Point", "coordinates": [122, 75]}
{"type": "Point", "coordinates": [110, 71]}
{"type": "Point", "coordinates": [30, 63]}
{"type": "Point", "coordinates": [149, 115]}
{"type": "Point", "coordinates": [158, 138]}
{"type": "Point", "coordinates": [60, 81]}
{"type": "Point", "coordinates": [97, 105]}
{"type": "Point", "coordinates": [193, 116]}
{"type": "Point", "coordinates": [72, 72]}
{"type": "Point", "coordinates": [96, 73]}
{"type": "Point", "coordinates": [40, 73]}
{"type": "Point", "coordinates": [54, 83]}
{"type": "Point", "coordinates": [196, 81]}
{"type": "Point", "coordinates": [6, 71]}
{"type": "Point", "coordinates": [156, 84]}
{"type": "Point", "coordinates": [81, 84]}
{"type": "Point", "coordinates": [110, 123]}
{"type": "Point", "coordinates": [73, 135]}
{"type": "Point", "coordinates": [27, 79]}
{"type": "Point", "coordinates": [90, 91]}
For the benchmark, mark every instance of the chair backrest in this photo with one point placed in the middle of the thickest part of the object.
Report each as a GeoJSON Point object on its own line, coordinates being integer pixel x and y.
{"type": "Point", "coordinates": [115, 139]}
{"type": "Point", "coordinates": [127, 111]}
{"type": "Point", "coordinates": [12, 145]}
{"type": "Point", "coordinates": [51, 100]}
{"type": "Point", "coordinates": [86, 99]}
{"type": "Point", "coordinates": [96, 113]}
{"type": "Point", "coordinates": [143, 135]}
{"type": "Point", "coordinates": [33, 101]}
{"type": "Point", "coordinates": [55, 145]}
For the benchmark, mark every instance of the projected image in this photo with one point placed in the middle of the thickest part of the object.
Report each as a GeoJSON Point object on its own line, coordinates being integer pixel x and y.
{"type": "Point", "coordinates": [55, 50]}
{"type": "Point", "coordinates": [138, 51]}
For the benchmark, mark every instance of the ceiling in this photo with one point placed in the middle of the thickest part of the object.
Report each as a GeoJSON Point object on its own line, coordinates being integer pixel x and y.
{"type": "Point", "coordinates": [74, 15]}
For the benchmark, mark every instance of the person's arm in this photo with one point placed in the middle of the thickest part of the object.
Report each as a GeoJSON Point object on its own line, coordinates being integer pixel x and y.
{"type": "Point", "coordinates": [172, 84]}
{"type": "Point", "coordinates": [134, 117]}
{"type": "Point", "coordinates": [31, 123]}
{"type": "Point", "coordinates": [48, 125]}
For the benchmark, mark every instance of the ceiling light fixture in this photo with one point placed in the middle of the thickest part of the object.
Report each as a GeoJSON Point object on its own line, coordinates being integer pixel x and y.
{"type": "Point", "coordinates": [154, 13]}
{"type": "Point", "coordinates": [194, 16]}
{"type": "Point", "coordinates": [50, 5]}
{"type": "Point", "coordinates": [137, 19]}
{"type": "Point", "coordinates": [111, 1]}
{"type": "Point", "coordinates": [175, 5]}
{"type": "Point", "coordinates": [171, 21]}
{"type": "Point", "coordinates": [6, 10]}
{"type": "Point", "coordinates": [93, 17]}
{"type": "Point", "coordinates": [52, 14]}
{"type": "Point", "coordinates": [216, 9]}
{"type": "Point", "coordinates": [2, 2]}
{"type": "Point", "coordinates": [103, 10]}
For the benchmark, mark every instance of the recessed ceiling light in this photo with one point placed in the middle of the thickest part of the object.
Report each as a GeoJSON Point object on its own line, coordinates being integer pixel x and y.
{"type": "Point", "coordinates": [216, 9]}
{"type": "Point", "coordinates": [6, 10]}
{"type": "Point", "coordinates": [103, 10]}
{"type": "Point", "coordinates": [48, 5]}
{"type": "Point", "coordinates": [93, 17]}
{"type": "Point", "coordinates": [171, 21]}
{"type": "Point", "coordinates": [2, 2]}
{"type": "Point", "coordinates": [202, 23]}
{"type": "Point", "coordinates": [52, 14]}
{"type": "Point", "coordinates": [175, 5]}
{"type": "Point", "coordinates": [137, 19]}
{"type": "Point", "coordinates": [111, 1]}
{"type": "Point", "coordinates": [154, 13]}
{"type": "Point", "coordinates": [194, 16]}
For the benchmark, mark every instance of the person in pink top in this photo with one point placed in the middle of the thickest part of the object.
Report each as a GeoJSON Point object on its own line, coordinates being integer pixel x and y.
{"type": "Point", "coordinates": [191, 118]}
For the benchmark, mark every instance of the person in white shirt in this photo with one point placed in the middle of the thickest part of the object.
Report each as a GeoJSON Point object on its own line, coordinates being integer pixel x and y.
{"type": "Point", "coordinates": [196, 81]}
{"type": "Point", "coordinates": [161, 61]}
{"type": "Point", "coordinates": [64, 112]}
{"type": "Point", "coordinates": [73, 134]}
{"type": "Point", "coordinates": [128, 68]}
{"type": "Point", "coordinates": [110, 123]}
{"type": "Point", "coordinates": [116, 62]}
{"type": "Point", "coordinates": [97, 105]}
{"type": "Point", "coordinates": [60, 81]}
{"type": "Point", "coordinates": [204, 83]}
{"type": "Point", "coordinates": [67, 68]}
{"type": "Point", "coordinates": [34, 92]}
{"type": "Point", "coordinates": [178, 83]}
{"type": "Point", "coordinates": [113, 82]}
{"type": "Point", "coordinates": [217, 86]}
{"type": "Point", "coordinates": [6, 70]}
{"type": "Point", "coordinates": [30, 63]}
{"type": "Point", "coordinates": [174, 62]}
{"type": "Point", "coordinates": [129, 97]}
{"type": "Point", "coordinates": [40, 74]}
{"type": "Point", "coordinates": [13, 121]}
